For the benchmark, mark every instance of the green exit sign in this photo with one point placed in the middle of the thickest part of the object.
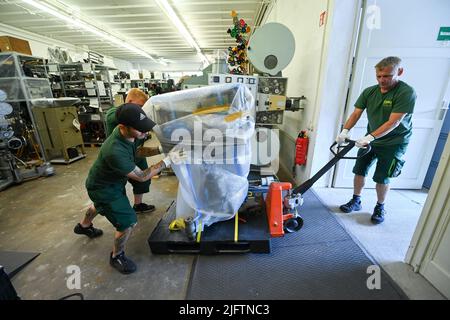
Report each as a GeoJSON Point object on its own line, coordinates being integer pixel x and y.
{"type": "Point", "coordinates": [444, 34]}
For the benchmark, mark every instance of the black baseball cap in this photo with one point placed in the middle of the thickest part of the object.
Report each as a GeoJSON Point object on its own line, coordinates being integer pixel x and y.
{"type": "Point", "coordinates": [132, 115]}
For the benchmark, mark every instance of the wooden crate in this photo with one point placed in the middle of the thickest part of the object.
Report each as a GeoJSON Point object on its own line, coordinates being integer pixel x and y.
{"type": "Point", "coordinates": [8, 43]}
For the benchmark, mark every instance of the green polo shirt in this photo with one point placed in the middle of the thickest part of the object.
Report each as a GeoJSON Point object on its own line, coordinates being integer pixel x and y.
{"type": "Point", "coordinates": [109, 172]}
{"type": "Point", "coordinates": [110, 120]}
{"type": "Point", "coordinates": [379, 106]}
{"type": "Point", "coordinates": [111, 123]}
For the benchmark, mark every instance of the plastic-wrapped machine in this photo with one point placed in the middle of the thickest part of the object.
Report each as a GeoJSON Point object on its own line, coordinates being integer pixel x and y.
{"type": "Point", "coordinates": [214, 126]}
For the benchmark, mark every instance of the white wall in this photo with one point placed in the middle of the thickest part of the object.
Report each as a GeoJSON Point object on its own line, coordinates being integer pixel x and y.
{"type": "Point", "coordinates": [179, 66]}
{"type": "Point", "coordinates": [335, 73]}
{"type": "Point", "coordinates": [39, 44]}
{"type": "Point", "coordinates": [319, 72]}
{"type": "Point", "coordinates": [122, 65]}
{"type": "Point", "coordinates": [39, 47]}
{"type": "Point", "coordinates": [429, 251]}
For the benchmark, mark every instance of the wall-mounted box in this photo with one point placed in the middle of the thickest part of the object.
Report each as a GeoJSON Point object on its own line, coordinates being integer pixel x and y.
{"type": "Point", "coordinates": [8, 43]}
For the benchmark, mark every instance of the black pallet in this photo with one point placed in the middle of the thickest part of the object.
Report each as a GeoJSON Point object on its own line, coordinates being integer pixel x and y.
{"type": "Point", "coordinates": [215, 239]}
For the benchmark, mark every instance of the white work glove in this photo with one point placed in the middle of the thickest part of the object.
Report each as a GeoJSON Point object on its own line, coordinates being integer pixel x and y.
{"type": "Point", "coordinates": [175, 157]}
{"type": "Point", "coordinates": [364, 141]}
{"type": "Point", "coordinates": [340, 139]}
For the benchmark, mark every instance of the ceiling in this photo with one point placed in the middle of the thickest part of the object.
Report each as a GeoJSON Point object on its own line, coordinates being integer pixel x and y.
{"type": "Point", "coordinates": [139, 22]}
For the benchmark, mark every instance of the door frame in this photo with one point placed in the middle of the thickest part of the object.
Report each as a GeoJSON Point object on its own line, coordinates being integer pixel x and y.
{"type": "Point", "coordinates": [431, 226]}
{"type": "Point", "coordinates": [359, 24]}
{"type": "Point", "coordinates": [432, 213]}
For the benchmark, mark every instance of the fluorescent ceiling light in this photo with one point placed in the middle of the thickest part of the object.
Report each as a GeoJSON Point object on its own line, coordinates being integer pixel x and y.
{"type": "Point", "coordinates": [90, 28]}
{"type": "Point", "coordinates": [170, 13]}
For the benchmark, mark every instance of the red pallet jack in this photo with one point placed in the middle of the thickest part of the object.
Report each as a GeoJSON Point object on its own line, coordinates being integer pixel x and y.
{"type": "Point", "coordinates": [282, 212]}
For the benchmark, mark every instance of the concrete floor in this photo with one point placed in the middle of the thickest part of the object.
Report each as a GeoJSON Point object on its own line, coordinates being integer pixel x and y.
{"type": "Point", "coordinates": [39, 216]}
{"type": "Point", "coordinates": [388, 242]}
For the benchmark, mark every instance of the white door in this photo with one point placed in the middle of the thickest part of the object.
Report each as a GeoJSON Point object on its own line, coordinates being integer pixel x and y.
{"type": "Point", "coordinates": [429, 251]}
{"type": "Point", "coordinates": [436, 266]}
{"type": "Point", "coordinates": [408, 29]}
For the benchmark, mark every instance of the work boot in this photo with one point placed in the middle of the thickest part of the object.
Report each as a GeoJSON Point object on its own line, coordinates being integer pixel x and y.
{"type": "Point", "coordinates": [90, 231]}
{"type": "Point", "coordinates": [378, 214]}
{"type": "Point", "coordinates": [143, 208]}
{"type": "Point", "coordinates": [122, 263]}
{"type": "Point", "coordinates": [353, 205]}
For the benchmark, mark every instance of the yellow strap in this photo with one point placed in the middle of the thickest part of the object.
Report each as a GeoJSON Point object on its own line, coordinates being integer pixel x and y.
{"type": "Point", "coordinates": [199, 233]}
{"type": "Point", "coordinates": [213, 109]}
{"type": "Point", "coordinates": [236, 223]}
{"type": "Point", "coordinates": [233, 116]}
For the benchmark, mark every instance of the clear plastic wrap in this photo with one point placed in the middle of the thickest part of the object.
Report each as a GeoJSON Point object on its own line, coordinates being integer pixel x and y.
{"type": "Point", "coordinates": [214, 126]}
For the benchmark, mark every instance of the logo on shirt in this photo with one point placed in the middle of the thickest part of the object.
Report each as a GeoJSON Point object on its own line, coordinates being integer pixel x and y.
{"type": "Point", "coordinates": [387, 103]}
{"type": "Point", "coordinates": [141, 117]}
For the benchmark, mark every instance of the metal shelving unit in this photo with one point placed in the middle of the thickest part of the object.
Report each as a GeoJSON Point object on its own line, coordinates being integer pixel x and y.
{"type": "Point", "coordinates": [23, 78]}
{"type": "Point", "coordinates": [93, 85]}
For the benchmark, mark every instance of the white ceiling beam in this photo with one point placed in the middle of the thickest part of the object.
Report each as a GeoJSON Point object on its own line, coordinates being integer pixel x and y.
{"type": "Point", "coordinates": [40, 27]}
{"type": "Point", "coordinates": [190, 20]}
{"type": "Point", "coordinates": [156, 37]}
{"type": "Point", "coordinates": [223, 27]}
{"type": "Point", "coordinates": [13, 13]}
{"type": "Point", "coordinates": [223, 2]}
{"type": "Point", "coordinates": [81, 24]}
{"type": "Point", "coordinates": [176, 21]}
{"type": "Point", "coordinates": [77, 36]}
{"type": "Point", "coordinates": [113, 7]}
{"type": "Point", "coordinates": [135, 22]}
{"type": "Point", "coordinates": [127, 15]}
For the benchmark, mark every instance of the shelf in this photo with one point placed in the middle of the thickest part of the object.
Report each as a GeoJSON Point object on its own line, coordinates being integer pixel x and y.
{"type": "Point", "coordinates": [24, 78]}
{"type": "Point", "coordinates": [80, 89]}
{"type": "Point", "coordinates": [103, 68]}
{"type": "Point", "coordinates": [79, 81]}
{"type": "Point", "coordinates": [88, 86]}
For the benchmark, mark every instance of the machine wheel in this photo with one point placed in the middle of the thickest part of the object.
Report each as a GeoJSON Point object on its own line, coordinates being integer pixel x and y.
{"type": "Point", "coordinates": [293, 224]}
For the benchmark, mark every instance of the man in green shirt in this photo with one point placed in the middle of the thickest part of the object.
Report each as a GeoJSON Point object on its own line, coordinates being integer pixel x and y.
{"type": "Point", "coordinates": [138, 97]}
{"type": "Point", "coordinates": [108, 176]}
{"type": "Point", "coordinates": [389, 106]}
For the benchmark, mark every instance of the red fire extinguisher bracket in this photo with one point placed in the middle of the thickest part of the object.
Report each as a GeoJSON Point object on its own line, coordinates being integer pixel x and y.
{"type": "Point", "coordinates": [301, 148]}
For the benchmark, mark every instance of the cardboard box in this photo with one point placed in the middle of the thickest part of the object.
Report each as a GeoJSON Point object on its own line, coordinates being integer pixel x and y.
{"type": "Point", "coordinates": [8, 43]}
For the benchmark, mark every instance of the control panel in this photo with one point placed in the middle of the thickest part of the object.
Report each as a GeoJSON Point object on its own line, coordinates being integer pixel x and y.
{"type": "Point", "coordinates": [272, 85]}
{"type": "Point", "coordinates": [250, 81]}
{"type": "Point", "coordinates": [269, 117]}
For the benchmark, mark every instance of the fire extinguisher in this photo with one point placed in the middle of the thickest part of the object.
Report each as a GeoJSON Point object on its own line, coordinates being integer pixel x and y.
{"type": "Point", "coordinates": [301, 148]}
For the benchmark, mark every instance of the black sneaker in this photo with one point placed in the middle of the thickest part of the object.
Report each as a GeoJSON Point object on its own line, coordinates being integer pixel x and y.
{"type": "Point", "coordinates": [378, 214]}
{"type": "Point", "coordinates": [122, 263]}
{"type": "Point", "coordinates": [352, 205]}
{"type": "Point", "coordinates": [143, 208]}
{"type": "Point", "coordinates": [90, 231]}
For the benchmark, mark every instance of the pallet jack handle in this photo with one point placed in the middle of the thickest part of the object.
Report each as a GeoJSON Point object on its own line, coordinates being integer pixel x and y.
{"type": "Point", "coordinates": [339, 154]}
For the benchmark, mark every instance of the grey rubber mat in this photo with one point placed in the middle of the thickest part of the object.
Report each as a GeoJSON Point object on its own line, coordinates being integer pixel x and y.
{"type": "Point", "coordinates": [319, 226]}
{"type": "Point", "coordinates": [321, 261]}
{"type": "Point", "coordinates": [14, 261]}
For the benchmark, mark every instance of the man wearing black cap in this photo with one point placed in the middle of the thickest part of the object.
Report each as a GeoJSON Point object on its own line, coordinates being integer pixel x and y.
{"type": "Point", "coordinates": [138, 97]}
{"type": "Point", "coordinates": [108, 176]}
